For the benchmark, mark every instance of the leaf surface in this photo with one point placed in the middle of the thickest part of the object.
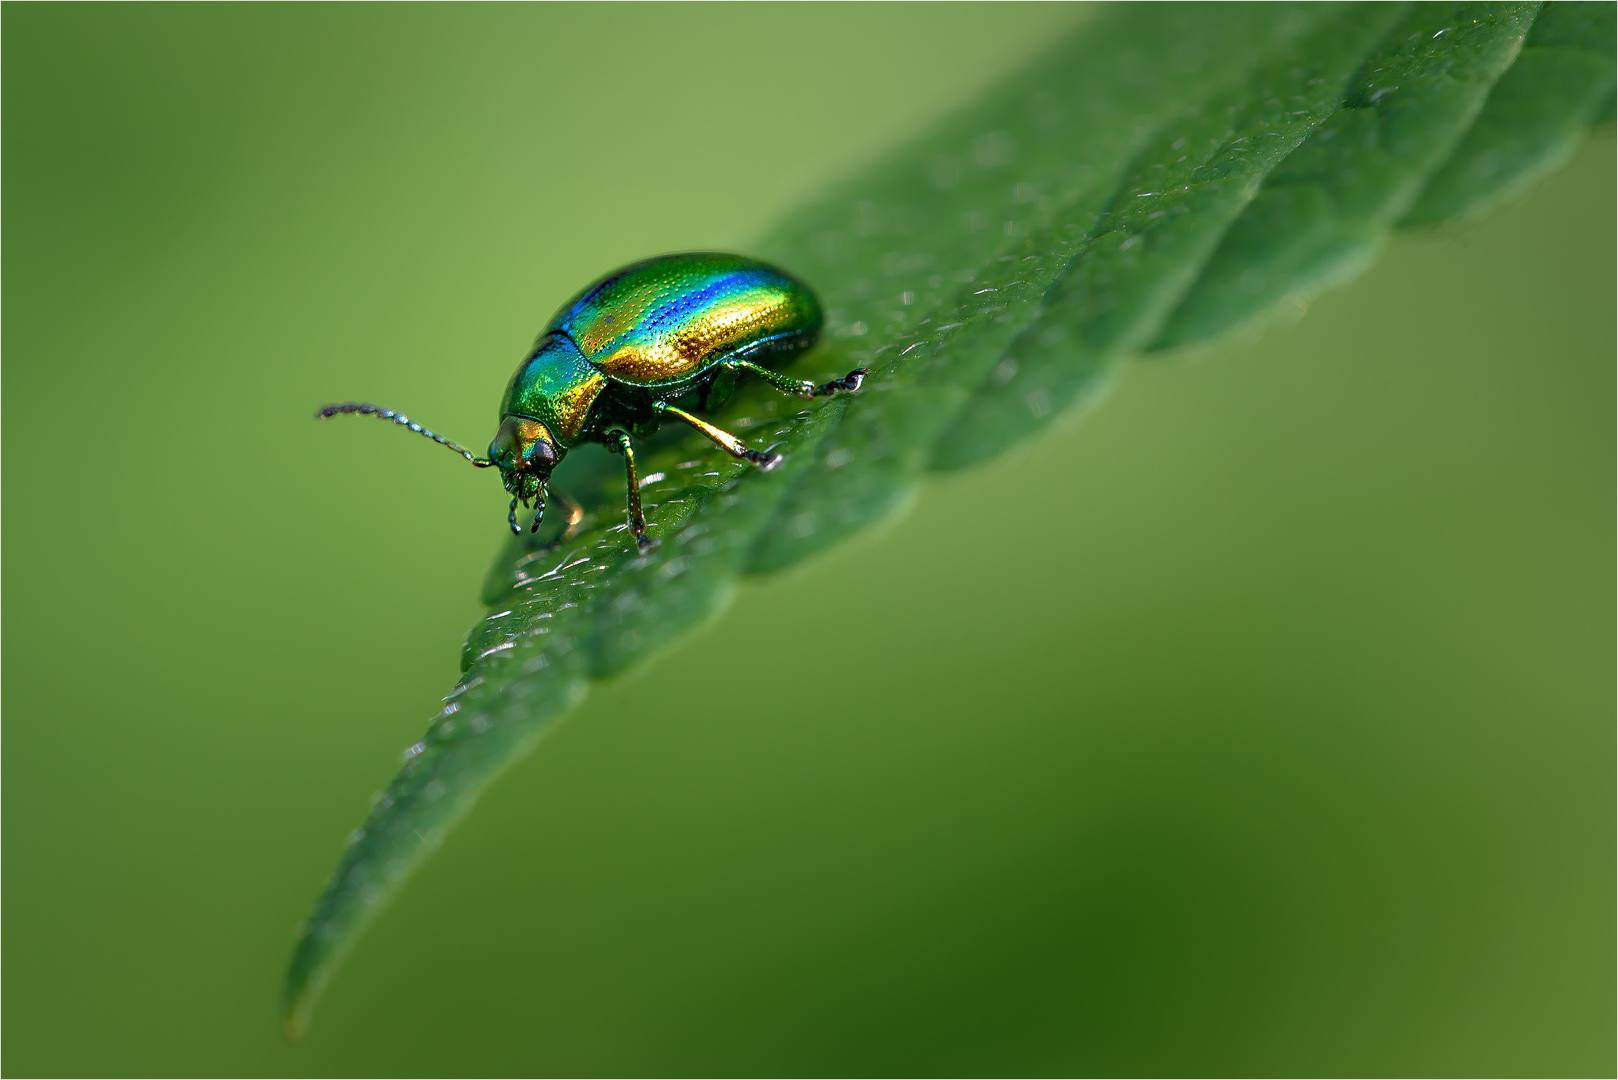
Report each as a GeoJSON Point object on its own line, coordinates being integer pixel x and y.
{"type": "Point", "coordinates": [1164, 174]}
{"type": "Point", "coordinates": [1535, 116]}
{"type": "Point", "coordinates": [1324, 212]}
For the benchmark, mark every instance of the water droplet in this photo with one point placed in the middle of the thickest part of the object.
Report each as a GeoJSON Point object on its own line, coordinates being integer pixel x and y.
{"type": "Point", "coordinates": [471, 684]}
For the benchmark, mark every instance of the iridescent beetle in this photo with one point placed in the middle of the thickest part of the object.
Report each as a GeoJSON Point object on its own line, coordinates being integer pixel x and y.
{"type": "Point", "coordinates": [629, 350]}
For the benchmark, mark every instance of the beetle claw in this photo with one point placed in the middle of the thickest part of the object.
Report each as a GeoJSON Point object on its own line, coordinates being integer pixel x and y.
{"type": "Point", "coordinates": [847, 384]}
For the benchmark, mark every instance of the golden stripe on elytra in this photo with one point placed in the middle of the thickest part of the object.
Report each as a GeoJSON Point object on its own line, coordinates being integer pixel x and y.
{"type": "Point", "coordinates": [671, 359]}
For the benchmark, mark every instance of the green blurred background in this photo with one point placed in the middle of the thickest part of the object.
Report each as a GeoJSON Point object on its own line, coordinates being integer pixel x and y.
{"type": "Point", "coordinates": [1263, 724]}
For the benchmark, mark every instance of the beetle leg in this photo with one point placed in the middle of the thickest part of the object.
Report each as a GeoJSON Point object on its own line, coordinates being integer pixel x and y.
{"type": "Point", "coordinates": [847, 384]}
{"type": "Point", "coordinates": [730, 443]}
{"type": "Point", "coordinates": [618, 441]}
{"type": "Point", "coordinates": [572, 514]}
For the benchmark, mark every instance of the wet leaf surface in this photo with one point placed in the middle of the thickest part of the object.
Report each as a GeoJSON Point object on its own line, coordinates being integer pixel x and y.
{"type": "Point", "coordinates": [1162, 176]}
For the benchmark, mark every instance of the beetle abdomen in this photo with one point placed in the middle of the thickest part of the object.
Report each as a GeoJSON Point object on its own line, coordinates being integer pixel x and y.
{"type": "Point", "coordinates": [667, 320]}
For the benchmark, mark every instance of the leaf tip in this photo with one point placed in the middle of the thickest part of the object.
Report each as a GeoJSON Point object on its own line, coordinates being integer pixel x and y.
{"type": "Point", "coordinates": [306, 978]}
{"type": "Point", "coordinates": [296, 1008]}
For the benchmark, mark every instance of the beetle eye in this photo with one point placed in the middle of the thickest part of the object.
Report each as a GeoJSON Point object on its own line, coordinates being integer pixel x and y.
{"type": "Point", "coordinates": [541, 453]}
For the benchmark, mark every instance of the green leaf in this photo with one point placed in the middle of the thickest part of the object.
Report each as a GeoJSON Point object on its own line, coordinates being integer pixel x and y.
{"type": "Point", "coordinates": [1535, 117]}
{"type": "Point", "coordinates": [1323, 213]}
{"type": "Point", "coordinates": [1164, 174]}
{"type": "Point", "coordinates": [1151, 183]}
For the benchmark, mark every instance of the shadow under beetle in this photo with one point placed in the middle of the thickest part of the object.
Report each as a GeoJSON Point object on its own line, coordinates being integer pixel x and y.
{"type": "Point", "coordinates": [632, 348]}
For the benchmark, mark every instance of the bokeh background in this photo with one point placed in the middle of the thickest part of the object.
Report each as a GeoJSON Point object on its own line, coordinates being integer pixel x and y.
{"type": "Point", "coordinates": [1261, 724]}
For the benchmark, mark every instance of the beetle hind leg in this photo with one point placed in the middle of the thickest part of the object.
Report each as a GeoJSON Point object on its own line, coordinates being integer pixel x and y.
{"type": "Point", "coordinates": [846, 385]}
{"type": "Point", "coordinates": [724, 439]}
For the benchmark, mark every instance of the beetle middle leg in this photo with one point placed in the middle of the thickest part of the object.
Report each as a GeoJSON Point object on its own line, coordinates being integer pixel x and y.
{"type": "Point", "coordinates": [847, 384]}
{"type": "Point", "coordinates": [728, 442]}
{"type": "Point", "coordinates": [618, 442]}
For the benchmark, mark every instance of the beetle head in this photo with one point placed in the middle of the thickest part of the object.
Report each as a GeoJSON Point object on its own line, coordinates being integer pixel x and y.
{"type": "Point", "coordinates": [525, 453]}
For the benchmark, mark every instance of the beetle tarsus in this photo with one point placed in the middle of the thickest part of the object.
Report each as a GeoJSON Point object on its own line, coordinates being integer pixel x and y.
{"type": "Point", "coordinates": [846, 385]}
{"type": "Point", "coordinates": [763, 459]}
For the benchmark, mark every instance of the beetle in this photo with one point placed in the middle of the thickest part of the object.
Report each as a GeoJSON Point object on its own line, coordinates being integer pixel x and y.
{"type": "Point", "coordinates": [651, 340]}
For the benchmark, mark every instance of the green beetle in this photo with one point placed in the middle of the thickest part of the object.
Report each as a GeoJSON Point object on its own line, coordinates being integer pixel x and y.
{"type": "Point", "coordinates": [632, 348]}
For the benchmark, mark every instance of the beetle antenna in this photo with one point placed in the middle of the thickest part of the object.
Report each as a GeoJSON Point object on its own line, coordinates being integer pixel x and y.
{"type": "Point", "coordinates": [511, 518]}
{"type": "Point", "coordinates": [367, 409]}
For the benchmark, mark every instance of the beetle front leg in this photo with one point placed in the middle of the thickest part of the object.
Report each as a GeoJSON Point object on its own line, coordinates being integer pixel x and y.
{"type": "Point", "coordinates": [846, 385]}
{"type": "Point", "coordinates": [728, 442]}
{"type": "Point", "coordinates": [618, 442]}
{"type": "Point", "coordinates": [571, 513]}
